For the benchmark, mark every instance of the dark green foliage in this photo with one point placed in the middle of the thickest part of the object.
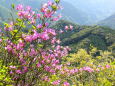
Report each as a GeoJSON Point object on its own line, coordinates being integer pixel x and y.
{"type": "Point", "coordinates": [84, 36]}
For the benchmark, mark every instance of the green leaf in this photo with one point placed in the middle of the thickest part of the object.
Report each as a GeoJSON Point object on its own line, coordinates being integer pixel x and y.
{"type": "Point", "coordinates": [13, 6]}
{"type": "Point", "coordinates": [19, 20]}
{"type": "Point", "coordinates": [15, 31]}
{"type": "Point", "coordinates": [33, 27]}
{"type": "Point", "coordinates": [54, 7]}
{"type": "Point", "coordinates": [5, 24]}
{"type": "Point", "coordinates": [40, 45]}
{"type": "Point", "coordinates": [57, 1]}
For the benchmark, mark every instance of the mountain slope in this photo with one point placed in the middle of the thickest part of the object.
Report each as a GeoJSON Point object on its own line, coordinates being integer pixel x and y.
{"type": "Point", "coordinates": [84, 36]}
{"type": "Point", "coordinates": [109, 22]}
{"type": "Point", "coordinates": [69, 12]}
{"type": "Point", "coordinates": [96, 9]}
{"type": "Point", "coordinates": [72, 13]}
{"type": "Point", "coordinates": [4, 13]}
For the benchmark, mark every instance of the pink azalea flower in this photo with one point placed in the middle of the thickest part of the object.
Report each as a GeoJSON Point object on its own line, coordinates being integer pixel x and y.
{"type": "Point", "coordinates": [20, 46]}
{"type": "Point", "coordinates": [28, 38]}
{"type": "Point", "coordinates": [39, 26]}
{"type": "Point", "coordinates": [45, 5]}
{"type": "Point", "coordinates": [102, 68]}
{"type": "Point", "coordinates": [18, 72]}
{"type": "Point", "coordinates": [55, 19]}
{"type": "Point", "coordinates": [46, 79]}
{"type": "Point", "coordinates": [19, 7]}
{"type": "Point", "coordinates": [33, 52]}
{"type": "Point", "coordinates": [0, 40]}
{"type": "Point", "coordinates": [22, 61]}
{"type": "Point", "coordinates": [32, 20]}
{"type": "Point", "coordinates": [28, 8]}
{"type": "Point", "coordinates": [44, 36]}
{"type": "Point", "coordinates": [66, 84]}
{"type": "Point", "coordinates": [81, 69]}
{"type": "Point", "coordinates": [13, 67]}
{"type": "Point", "coordinates": [66, 27]}
{"type": "Point", "coordinates": [58, 41]}
{"type": "Point", "coordinates": [61, 31]}
{"type": "Point", "coordinates": [97, 69]}
{"type": "Point", "coordinates": [76, 70]}
{"type": "Point", "coordinates": [59, 67]}
{"type": "Point", "coordinates": [25, 69]}
{"type": "Point", "coordinates": [38, 15]}
{"type": "Point", "coordinates": [57, 82]}
{"type": "Point", "coordinates": [88, 69]}
{"type": "Point", "coordinates": [9, 48]}
{"type": "Point", "coordinates": [46, 24]}
{"type": "Point", "coordinates": [47, 68]}
{"type": "Point", "coordinates": [11, 72]}
{"type": "Point", "coordinates": [108, 66]}
{"type": "Point", "coordinates": [9, 27]}
{"type": "Point", "coordinates": [72, 71]}
{"type": "Point", "coordinates": [71, 27]}
{"type": "Point", "coordinates": [59, 16]}
{"type": "Point", "coordinates": [35, 35]}
{"type": "Point", "coordinates": [53, 41]}
{"type": "Point", "coordinates": [38, 65]}
{"type": "Point", "coordinates": [49, 3]}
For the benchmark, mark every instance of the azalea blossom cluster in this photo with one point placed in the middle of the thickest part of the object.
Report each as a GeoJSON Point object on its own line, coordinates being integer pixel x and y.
{"type": "Point", "coordinates": [73, 72]}
{"type": "Point", "coordinates": [36, 54]}
{"type": "Point", "coordinates": [88, 69]}
{"type": "Point", "coordinates": [70, 27]}
{"type": "Point", "coordinates": [58, 83]}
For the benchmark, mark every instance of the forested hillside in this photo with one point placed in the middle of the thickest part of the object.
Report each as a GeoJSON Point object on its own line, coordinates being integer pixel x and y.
{"type": "Point", "coordinates": [84, 36]}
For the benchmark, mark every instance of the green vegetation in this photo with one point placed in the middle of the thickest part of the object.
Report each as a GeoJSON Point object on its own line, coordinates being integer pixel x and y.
{"type": "Point", "coordinates": [5, 79]}
{"type": "Point", "coordinates": [84, 36]}
{"type": "Point", "coordinates": [90, 59]}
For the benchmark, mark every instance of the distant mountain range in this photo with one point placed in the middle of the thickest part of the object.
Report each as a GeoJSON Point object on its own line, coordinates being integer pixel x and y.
{"type": "Point", "coordinates": [79, 12]}
{"type": "Point", "coordinates": [4, 13]}
{"type": "Point", "coordinates": [69, 12]}
{"type": "Point", "coordinates": [109, 22]}
{"type": "Point", "coordinates": [97, 9]}
{"type": "Point", "coordinates": [73, 14]}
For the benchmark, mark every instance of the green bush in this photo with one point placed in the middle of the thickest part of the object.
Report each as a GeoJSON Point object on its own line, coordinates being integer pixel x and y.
{"type": "Point", "coordinates": [5, 79]}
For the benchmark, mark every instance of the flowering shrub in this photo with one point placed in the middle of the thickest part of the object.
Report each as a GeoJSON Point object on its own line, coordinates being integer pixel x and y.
{"type": "Point", "coordinates": [32, 52]}
{"type": "Point", "coordinates": [32, 48]}
{"type": "Point", "coordinates": [90, 70]}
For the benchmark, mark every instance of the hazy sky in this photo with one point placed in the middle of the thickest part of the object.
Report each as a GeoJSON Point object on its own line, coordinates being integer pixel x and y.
{"type": "Point", "coordinates": [92, 2]}
{"type": "Point", "coordinates": [97, 6]}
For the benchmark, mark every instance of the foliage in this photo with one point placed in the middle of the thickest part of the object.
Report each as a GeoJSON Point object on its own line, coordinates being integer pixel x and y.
{"type": "Point", "coordinates": [94, 59]}
{"type": "Point", "coordinates": [5, 79]}
{"type": "Point", "coordinates": [83, 36]}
